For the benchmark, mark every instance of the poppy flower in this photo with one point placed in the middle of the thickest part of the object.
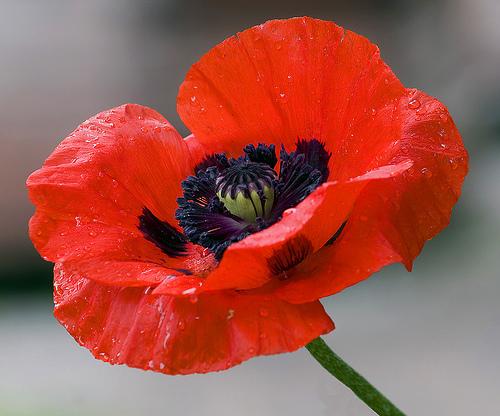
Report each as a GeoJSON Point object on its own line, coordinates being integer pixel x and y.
{"type": "Point", "coordinates": [309, 167]}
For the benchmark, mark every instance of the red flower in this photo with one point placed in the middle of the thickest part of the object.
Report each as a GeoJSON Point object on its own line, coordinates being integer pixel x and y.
{"type": "Point", "coordinates": [173, 254]}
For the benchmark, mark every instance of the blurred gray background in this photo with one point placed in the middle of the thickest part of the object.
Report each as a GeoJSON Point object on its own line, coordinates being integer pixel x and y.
{"type": "Point", "coordinates": [429, 340]}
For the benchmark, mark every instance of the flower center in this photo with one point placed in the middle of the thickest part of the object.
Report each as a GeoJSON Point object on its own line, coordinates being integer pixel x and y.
{"type": "Point", "coordinates": [247, 190]}
{"type": "Point", "coordinates": [228, 199]}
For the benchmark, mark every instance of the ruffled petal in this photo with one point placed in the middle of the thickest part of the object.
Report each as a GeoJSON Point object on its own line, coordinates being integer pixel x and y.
{"type": "Point", "coordinates": [93, 189]}
{"type": "Point", "coordinates": [181, 335]}
{"type": "Point", "coordinates": [260, 257]}
{"type": "Point", "coordinates": [291, 79]}
{"type": "Point", "coordinates": [393, 218]}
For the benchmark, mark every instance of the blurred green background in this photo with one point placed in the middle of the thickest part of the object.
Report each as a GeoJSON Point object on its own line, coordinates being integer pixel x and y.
{"type": "Point", "coordinates": [428, 339]}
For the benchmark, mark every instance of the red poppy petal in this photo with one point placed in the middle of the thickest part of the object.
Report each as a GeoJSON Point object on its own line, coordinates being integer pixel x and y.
{"type": "Point", "coordinates": [246, 264]}
{"type": "Point", "coordinates": [393, 218]}
{"type": "Point", "coordinates": [196, 149]}
{"type": "Point", "coordinates": [289, 79]}
{"type": "Point", "coordinates": [92, 189]}
{"type": "Point", "coordinates": [178, 335]}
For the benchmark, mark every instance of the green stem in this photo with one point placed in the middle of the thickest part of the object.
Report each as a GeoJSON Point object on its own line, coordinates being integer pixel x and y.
{"type": "Point", "coordinates": [352, 379]}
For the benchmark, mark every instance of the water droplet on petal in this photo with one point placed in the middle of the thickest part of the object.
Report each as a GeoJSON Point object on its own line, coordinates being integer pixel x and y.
{"type": "Point", "coordinates": [263, 312]}
{"type": "Point", "coordinates": [414, 104]}
{"type": "Point", "coordinates": [165, 340]}
{"type": "Point", "coordinates": [426, 172]}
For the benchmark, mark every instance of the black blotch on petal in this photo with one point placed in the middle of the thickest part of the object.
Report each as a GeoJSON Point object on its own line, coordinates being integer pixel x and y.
{"type": "Point", "coordinates": [162, 234]}
{"type": "Point", "coordinates": [334, 237]}
{"type": "Point", "coordinates": [290, 255]}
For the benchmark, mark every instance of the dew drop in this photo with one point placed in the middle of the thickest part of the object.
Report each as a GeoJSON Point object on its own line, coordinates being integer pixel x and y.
{"type": "Point", "coordinates": [181, 325]}
{"type": "Point", "coordinates": [426, 172]}
{"type": "Point", "coordinates": [414, 104]}
{"type": "Point", "coordinates": [263, 312]}
{"type": "Point", "coordinates": [92, 233]}
{"type": "Point", "coordinates": [165, 340]}
{"type": "Point", "coordinates": [230, 314]}
{"type": "Point", "coordinates": [104, 356]}
{"type": "Point", "coordinates": [189, 291]}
